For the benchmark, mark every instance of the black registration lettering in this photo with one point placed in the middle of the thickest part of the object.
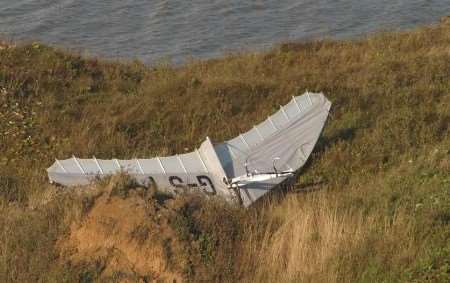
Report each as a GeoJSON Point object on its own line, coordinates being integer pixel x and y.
{"type": "Point", "coordinates": [176, 181]}
{"type": "Point", "coordinates": [203, 181]}
{"type": "Point", "coordinates": [206, 184]}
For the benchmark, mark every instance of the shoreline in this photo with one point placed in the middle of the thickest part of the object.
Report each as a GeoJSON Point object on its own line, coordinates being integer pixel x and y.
{"type": "Point", "coordinates": [85, 53]}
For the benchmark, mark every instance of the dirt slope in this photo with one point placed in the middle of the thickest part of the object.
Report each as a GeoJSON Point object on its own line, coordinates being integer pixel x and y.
{"type": "Point", "coordinates": [123, 238]}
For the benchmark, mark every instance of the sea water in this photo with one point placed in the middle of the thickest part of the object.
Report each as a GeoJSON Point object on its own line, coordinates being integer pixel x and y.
{"type": "Point", "coordinates": [155, 30]}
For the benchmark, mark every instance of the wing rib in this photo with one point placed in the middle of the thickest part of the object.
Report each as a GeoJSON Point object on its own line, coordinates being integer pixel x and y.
{"type": "Point", "coordinates": [79, 165]}
{"type": "Point", "coordinates": [98, 165]}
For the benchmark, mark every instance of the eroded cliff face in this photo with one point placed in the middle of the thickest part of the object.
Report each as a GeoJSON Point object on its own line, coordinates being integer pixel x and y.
{"type": "Point", "coordinates": [128, 233]}
{"type": "Point", "coordinates": [124, 237]}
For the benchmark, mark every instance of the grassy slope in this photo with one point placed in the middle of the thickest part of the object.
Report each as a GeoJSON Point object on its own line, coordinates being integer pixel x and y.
{"type": "Point", "coordinates": [382, 208]}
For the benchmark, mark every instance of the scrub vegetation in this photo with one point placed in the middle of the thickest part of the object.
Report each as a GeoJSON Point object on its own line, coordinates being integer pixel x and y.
{"type": "Point", "coordinates": [372, 204]}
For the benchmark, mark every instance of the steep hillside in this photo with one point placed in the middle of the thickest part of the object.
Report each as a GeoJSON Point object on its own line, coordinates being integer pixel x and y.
{"type": "Point", "coordinates": [373, 203]}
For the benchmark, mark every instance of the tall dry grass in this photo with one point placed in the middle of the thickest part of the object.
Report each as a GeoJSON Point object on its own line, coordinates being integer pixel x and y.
{"type": "Point", "coordinates": [311, 240]}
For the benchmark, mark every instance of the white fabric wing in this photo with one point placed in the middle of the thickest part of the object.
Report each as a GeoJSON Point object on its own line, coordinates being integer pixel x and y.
{"type": "Point", "coordinates": [262, 157]}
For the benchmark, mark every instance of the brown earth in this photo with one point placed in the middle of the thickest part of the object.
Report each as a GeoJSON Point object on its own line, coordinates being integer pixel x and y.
{"type": "Point", "coordinates": [123, 232]}
{"type": "Point", "coordinates": [125, 238]}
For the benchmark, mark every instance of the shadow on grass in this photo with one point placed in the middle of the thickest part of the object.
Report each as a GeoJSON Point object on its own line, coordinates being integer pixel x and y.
{"type": "Point", "coordinates": [293, 185]}
{"type": "Point", "coordinates": [324, 142]}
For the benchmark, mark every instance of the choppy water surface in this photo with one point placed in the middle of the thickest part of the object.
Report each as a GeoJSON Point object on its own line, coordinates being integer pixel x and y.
{"type": "Point", "coordinates": [151, 30]}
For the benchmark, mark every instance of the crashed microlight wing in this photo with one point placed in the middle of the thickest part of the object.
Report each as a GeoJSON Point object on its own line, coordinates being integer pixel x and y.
{"type": "Point", "coordinates": [241, 169]}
